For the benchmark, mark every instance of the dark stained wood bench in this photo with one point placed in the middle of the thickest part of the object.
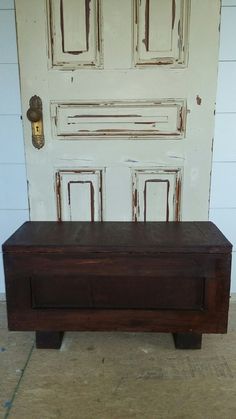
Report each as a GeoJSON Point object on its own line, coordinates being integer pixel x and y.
{"type": "Point", "coordinates": [137, 277]}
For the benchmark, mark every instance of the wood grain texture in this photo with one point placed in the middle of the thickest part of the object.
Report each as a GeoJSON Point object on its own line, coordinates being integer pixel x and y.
{"type": "Point", "coordinates": [157, 277]}
{"type": "Point", "coordinates": [157, 237]}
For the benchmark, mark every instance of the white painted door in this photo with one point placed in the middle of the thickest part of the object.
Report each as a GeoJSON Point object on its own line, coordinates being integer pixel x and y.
{"type": "Point", "coordinates": [128, 95]}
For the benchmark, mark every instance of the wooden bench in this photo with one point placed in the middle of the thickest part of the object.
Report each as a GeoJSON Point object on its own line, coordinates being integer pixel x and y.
{"type": "Point", "coordinates": [136, 277]}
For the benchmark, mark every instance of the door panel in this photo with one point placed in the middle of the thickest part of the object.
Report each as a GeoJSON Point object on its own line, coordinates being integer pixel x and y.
{"type": "Point", "coordinates": [139, 120]}
{"type": "Point", "coordinates": [157, 195]}
{"type": "Point", "coordinates": [128, 90]}
{"type": "Point", "coordinates": [161, 32]}
{"type": "Point", "coordinates": [74, 33]}
{"type": "Point", "coordinates": [79, 195]}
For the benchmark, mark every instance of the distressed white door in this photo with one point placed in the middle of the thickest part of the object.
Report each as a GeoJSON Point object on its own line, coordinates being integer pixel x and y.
{"type": "Point", "coordinates": [128, 94]}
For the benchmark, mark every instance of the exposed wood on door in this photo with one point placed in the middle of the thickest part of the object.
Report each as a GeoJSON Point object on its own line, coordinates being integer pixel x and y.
{"type": "Point", "coordinates": [161, 32]}
{"type": "Point", "coordinates": [198, 100]}
{"type": "Point", "coordinates": [146, 39]}
{"type": "Point", "coordinates": [156, 194]}
{"type": "Point", "coordinates": [178, 198]}
{"type": "Point", "coordinates": [75, 33]}
{"type": "Point", "coordinates": [58, 196]}
{"type": "Point", "coordinates": [173, 13]}
{"type": "Point", "coordinates": [117, 109]}
{"type": "Point", "coordinates": [141, 119]}
{"type": "Point", "coordinates": [79, 195]}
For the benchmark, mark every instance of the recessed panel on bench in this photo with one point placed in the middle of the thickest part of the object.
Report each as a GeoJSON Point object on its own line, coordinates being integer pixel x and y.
{"type": "Point", "coordinates": [142, 119]}
{"type": "Point", "coordinates": [133, 292]}
{"type": "Point", "coordinates": [161, 31]}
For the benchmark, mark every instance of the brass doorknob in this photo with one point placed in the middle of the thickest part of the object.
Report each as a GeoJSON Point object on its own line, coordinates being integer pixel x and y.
{"type": "Point", "coordinates": [34, 115]}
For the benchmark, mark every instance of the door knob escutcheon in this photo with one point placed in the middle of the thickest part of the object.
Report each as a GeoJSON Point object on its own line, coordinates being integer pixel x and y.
{"type": "Point", "coordinates": [35, 116]}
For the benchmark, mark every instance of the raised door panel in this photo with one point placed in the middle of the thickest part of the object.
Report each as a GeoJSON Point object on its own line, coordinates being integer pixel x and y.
{"type": "Point", "coordinates": [79, 195]}
{"type": "Point", "coordinates": [126, 119]}
{"type": "Point", "coordinates": [156, 194]}
{"type": "Point", "coordinates": [161, 32]}
{"type": "Point", "coordinates": [74, 33]}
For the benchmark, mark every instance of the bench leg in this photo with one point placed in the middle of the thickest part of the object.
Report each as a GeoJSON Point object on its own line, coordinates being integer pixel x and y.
{"type": "Point", "coordinates": [48, 340]}
{"type": "Point", "coordinates": [188, 340]}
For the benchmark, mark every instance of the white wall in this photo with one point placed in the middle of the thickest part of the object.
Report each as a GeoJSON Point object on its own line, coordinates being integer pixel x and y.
{"type": "Point", "coordinates": [13, 197]}
{"type": "Point", "coordinates": [223, 187]}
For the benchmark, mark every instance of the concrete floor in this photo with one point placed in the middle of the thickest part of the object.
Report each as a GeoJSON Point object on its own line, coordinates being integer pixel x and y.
{"type": "Point", "coordinates": [117, 376]}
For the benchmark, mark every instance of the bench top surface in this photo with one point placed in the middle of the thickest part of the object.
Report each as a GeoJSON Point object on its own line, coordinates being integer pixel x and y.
{"type": "Point", "coordinates": [157, 237]}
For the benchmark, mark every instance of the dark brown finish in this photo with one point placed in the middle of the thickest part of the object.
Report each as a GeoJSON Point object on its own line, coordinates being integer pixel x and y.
{"type": "Point", "coordinates": [49, 340]}
{"type": "Point", "coordinates": [188, 340]}
{"type": "Point", "coordinates": [158, 277]}
{"type": "Point", "coordinates": [117, 292]}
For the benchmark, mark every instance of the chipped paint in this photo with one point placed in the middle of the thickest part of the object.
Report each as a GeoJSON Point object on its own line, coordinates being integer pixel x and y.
{"type": "Point", "coordinates": [62, 25]}
{"type": "Point", "coordinates": [99, 97]}
{"type": "Point", "coordinates": [173, 13]}
{"type": "Point", "coordinates": [198, 100]}
{"type": "Point", "coordinates": [58, 196]}
{"type": "Point", "coordinates": [135, 202]}
{"type": "Point", "coordinates": [87, 18]}
{"type": "Point", "coordinates": [176, 30]}
{"type": "Point", "coordinates": [104, 116]}
{"type": "Point", "coordinates": [172, 178]}
{"type": "Point", "coordinates": [177, 199]}
{"type": "Point", "coordinates": [147, 24]}
{"type": "Point", "coordinates": [64, 181]}
{"type": "Point", "coordinates": [154, 119]}
{"type": "Point", "coordinates": [98, 25]}
{"type": "Point", "coordinates": [68, 58]}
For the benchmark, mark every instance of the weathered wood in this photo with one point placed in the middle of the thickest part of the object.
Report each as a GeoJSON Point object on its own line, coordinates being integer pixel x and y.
{"type": "Point", "coordinates": [156, 277]}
